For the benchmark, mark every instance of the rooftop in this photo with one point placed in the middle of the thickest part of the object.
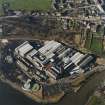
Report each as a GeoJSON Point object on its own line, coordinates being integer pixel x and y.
{"type": "Point", "coordinates": [54, 58]}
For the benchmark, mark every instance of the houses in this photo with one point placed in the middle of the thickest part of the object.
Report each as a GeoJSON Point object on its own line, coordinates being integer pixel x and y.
{"type": "Point", "coordinates": [53, 60]}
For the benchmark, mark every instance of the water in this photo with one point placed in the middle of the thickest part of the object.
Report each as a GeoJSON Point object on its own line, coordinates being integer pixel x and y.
{"type": "Point", "coordinates": [9, 96]}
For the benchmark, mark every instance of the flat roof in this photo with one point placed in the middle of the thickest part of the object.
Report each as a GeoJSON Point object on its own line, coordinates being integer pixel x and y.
{"type": "Point", "coordinates": [65, 62]}
{"type": "Point", "coordinates": [24, 49]}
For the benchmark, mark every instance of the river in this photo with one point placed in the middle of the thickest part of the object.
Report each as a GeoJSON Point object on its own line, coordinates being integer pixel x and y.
{"type": "Point", "coordinates": [9, 96]}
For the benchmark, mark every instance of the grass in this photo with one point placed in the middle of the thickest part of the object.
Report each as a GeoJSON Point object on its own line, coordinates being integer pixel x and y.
{"type": "Point", "coordinates": [96, 46]}
{"type": "Point", "coordinates": [29, 4]}
{"type": "Point", "coordinates": [88, 41]}
{"type": "Point", "coordinates": [96, 101]}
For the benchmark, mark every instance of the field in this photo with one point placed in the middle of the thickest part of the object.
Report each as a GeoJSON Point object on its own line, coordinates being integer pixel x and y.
{"type": "Point", "coordinates": [96, 101]}
{"type": "Point", "coordinates": [29, 4]}
{"type": "Point", "coordinates": [94, 44]}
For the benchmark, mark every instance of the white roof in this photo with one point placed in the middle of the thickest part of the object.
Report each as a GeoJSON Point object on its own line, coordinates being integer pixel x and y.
{"type": "Point", "coordinates": [24, 48]}
{"type": "Point", "coordinates": [33, 52]}
{"type": "Point", "coordinates": [1, 30]}
{"type": "Point", "coordinates": [100, 8]}
{"type": "Point", "coordinates": [48, 46]}
{"type": "Point", "coordinates": [75, 56]}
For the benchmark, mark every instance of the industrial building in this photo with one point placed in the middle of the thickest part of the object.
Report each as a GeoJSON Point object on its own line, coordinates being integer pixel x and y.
{"type": "Point", "coordinates": [53, 60]}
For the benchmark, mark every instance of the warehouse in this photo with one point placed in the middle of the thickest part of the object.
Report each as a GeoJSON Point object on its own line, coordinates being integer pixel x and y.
{"type": "Point", "coordinates": [23, 49]}
{"type": "Point", "coordinates": [53, 58]}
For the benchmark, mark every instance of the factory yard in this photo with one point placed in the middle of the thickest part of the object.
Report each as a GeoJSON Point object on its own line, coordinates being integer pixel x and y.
{"type": "Point", "coordinates": [45, 68]}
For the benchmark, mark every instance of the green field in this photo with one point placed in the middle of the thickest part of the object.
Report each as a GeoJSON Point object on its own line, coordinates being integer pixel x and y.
{"type": "Point", "coordinates": [29, 4]}
{"type": "Point", "coordinates": [96, 46]}
{"type": "Point", "coordinates": [96, 101]}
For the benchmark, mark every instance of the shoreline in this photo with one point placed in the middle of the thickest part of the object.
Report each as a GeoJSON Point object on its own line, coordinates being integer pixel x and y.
{"type": "Point", "coordinates": [80, 93]}
{"type": "Point", "coordinates": [36, 97]}
{"type": "Point", "coordinates": [33, 97]}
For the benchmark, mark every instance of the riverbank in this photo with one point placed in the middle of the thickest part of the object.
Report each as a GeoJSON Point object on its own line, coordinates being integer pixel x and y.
{"type": "Point", "coordinates": [34, 96]}
{"type": "Point", "coordinates": [96, 99]}
{"type": "Point", "coordinates": [81, 97]}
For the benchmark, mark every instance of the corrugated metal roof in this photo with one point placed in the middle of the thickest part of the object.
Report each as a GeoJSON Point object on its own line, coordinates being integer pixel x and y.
{"type": "Point", "coordinates": [24, 49]}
